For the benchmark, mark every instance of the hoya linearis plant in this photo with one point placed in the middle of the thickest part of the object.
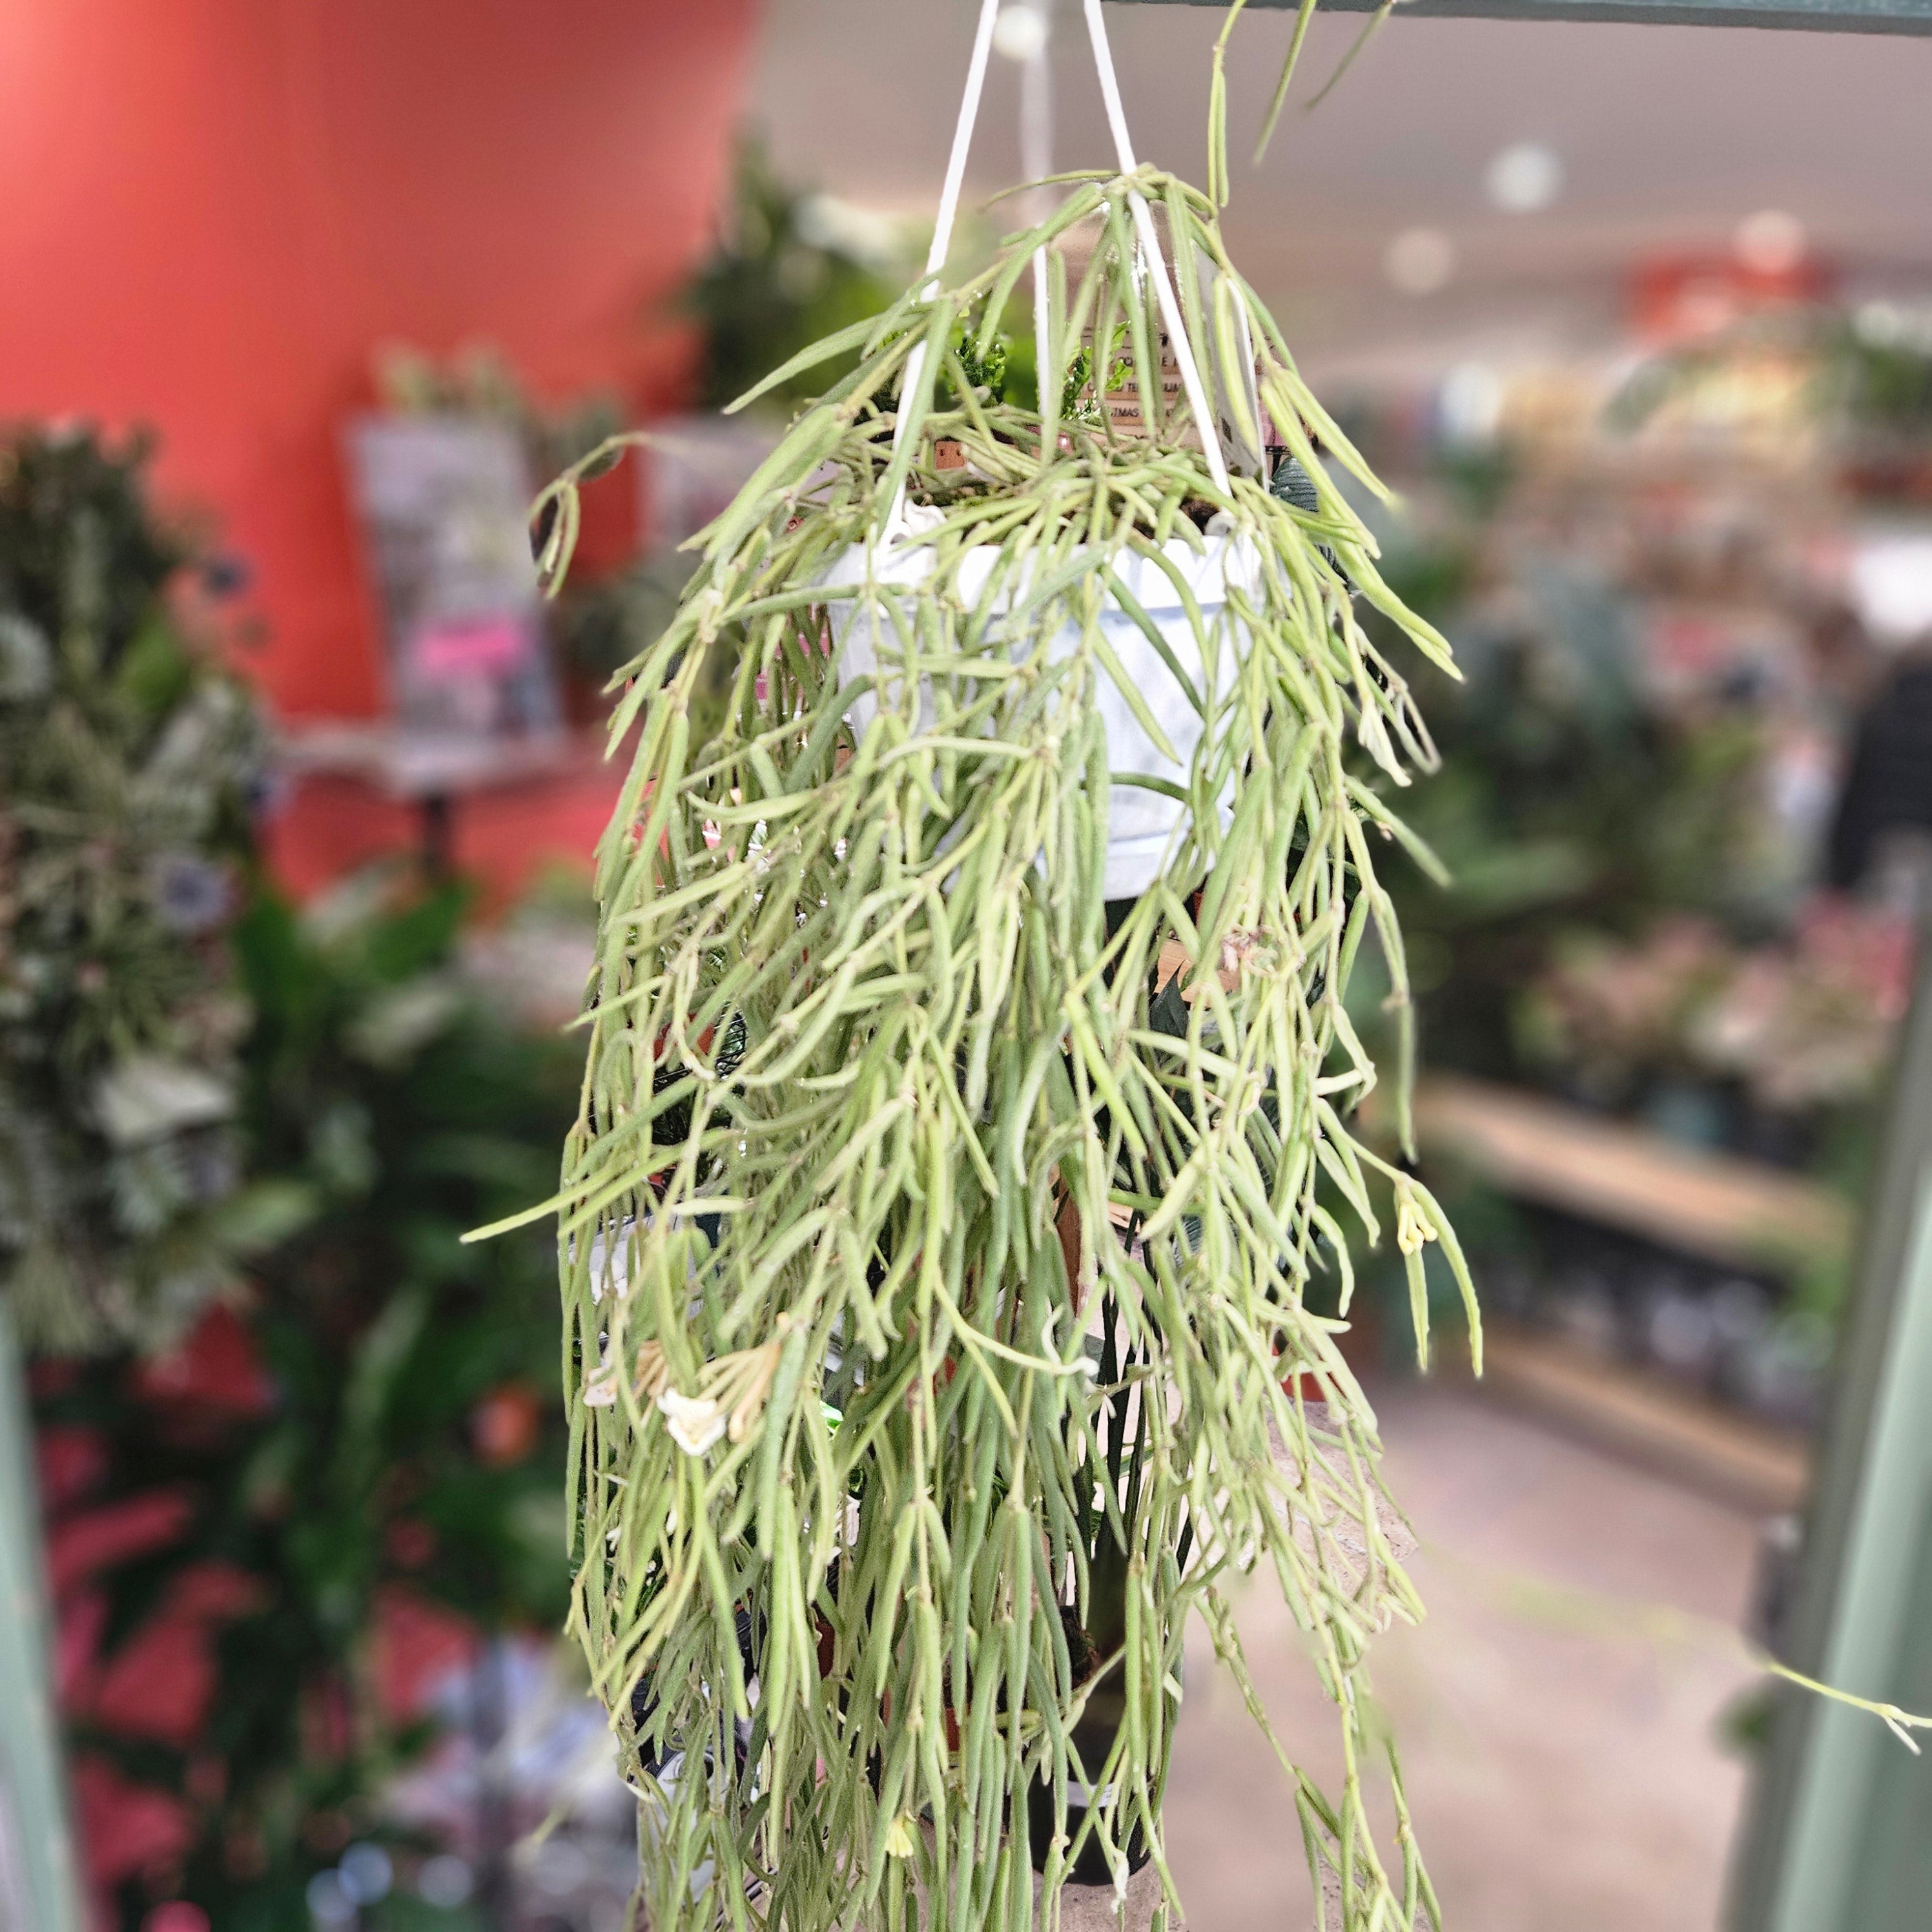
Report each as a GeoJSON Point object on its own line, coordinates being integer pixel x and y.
{"type": "Point", "coordinates": [935, 1233]}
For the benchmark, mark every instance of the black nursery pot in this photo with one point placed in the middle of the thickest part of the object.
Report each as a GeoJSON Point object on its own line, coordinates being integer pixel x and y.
{"type": "Point", "coordinates": [1094, 1739]}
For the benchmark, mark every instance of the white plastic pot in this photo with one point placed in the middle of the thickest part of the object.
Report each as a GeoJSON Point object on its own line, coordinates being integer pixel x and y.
{"type": "Point", "coordinates": [1143, 826]}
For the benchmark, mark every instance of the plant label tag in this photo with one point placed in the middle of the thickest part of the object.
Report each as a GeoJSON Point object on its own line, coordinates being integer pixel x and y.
{"type": "Point", "coordinates": [1229, 379]}
{"type": "Point", "coordinates": [1121, 382]}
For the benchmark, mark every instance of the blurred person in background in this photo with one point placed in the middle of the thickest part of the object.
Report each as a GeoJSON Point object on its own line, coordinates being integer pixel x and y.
{"type": "Point", "coordinates": [1881, 834]}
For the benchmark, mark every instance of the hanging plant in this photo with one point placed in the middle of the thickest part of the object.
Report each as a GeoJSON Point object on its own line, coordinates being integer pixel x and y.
{"type": "Point", "coordinates": [969, 1101]}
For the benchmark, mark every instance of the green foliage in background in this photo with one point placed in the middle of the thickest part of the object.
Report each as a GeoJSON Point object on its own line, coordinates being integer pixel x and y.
{"type": "Point", "coordinates": [771, 287]}
{"type": "Point", "coordinates": [1570, 801]}
{"type": "Point", "coordinates": [397, 1439]}
{"type": "Point", "coordinates": [405, 1108]}
{"type": "Point", "coordinates": [128, 756]}
{"type": "Point", "coordinates": [1868, 373]}
{"type": "Point", "coordinates": [603, 626]}
{"type": "Point", "coordinates": [237, 1146]}
{"type": "Point", "coordinates": [1880, 374]}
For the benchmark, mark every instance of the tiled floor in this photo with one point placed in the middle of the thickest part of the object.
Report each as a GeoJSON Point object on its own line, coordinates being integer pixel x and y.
{"type": "Point", "coordinates": [1564, 1766]}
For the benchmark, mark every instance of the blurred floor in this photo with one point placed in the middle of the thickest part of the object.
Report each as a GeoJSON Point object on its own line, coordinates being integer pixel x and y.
{"type": "Point", "coordinates": [1564, 1770]}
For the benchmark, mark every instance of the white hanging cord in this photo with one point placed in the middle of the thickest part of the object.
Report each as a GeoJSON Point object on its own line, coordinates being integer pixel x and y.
{"type": "Point", "coordinates": [1035, 164]}
{"type": "Point", "coordinates": [1150, 240]}
{"type": "Point", "coordinates": [962, 140]}
{"type": "Point", "coordinates": [942, 227]}
{"type": "Point", "coordinates": [1163, 285]}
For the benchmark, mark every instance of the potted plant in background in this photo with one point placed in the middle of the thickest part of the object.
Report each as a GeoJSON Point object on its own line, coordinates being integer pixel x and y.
{"type": "Point", "coordinates": [968, 1097]}
{"type": "Point", "coordinates": [288, 1463]}
{"type": "Point", "coordinates": [129, 757]}
{"type": "Point", "coordinates": [786, 268]}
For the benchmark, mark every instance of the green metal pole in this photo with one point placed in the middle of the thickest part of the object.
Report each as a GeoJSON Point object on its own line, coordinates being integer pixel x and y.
{"type": "Point", "coordinates": [1840, 1835]}
{"type": "Point", "coordinates": [1823, 16]}
{"type": "Point", "coordinates": [39, 1888]}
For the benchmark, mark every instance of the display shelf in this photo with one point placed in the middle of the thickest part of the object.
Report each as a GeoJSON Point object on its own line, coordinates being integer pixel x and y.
{"type": "Point", "coordinates": [1647, 1418]}
{"type": "Point", "coordinates": [417, 766]}
{"type": "Point", "coordinates": [1737, 1212]}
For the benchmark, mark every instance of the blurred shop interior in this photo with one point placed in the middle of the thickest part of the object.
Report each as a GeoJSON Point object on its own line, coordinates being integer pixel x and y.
{"type": "Point", "coordinates": [304, 304]}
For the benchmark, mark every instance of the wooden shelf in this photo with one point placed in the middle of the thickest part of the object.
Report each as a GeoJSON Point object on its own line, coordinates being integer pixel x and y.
{"type": "Point", "coordinates": [1737, 1212]}
{"type": "Point", "coordinates": [1647, 1418]}
{"type": "Point", "coordinates": [414, 765]}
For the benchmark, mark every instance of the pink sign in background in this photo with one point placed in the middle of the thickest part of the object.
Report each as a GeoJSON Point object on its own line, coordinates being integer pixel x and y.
{"type": "Point", "coordinates": [486, 647]}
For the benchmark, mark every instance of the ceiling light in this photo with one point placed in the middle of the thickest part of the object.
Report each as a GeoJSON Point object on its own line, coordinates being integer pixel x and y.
{"type": "Point", "coordinates": [1019, 32]}
{"type": "Point", "coordinates": [1524, 177]}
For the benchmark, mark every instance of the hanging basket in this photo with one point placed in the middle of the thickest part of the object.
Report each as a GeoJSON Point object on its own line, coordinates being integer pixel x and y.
{"type": "Point", "coordinates": [934, 1249]}
{"type": "Point", "coordinates": [1150, 693]}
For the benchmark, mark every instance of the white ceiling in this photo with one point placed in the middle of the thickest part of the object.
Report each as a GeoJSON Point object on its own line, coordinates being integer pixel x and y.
{"type": "Point", "coordinates": [1669, 137]}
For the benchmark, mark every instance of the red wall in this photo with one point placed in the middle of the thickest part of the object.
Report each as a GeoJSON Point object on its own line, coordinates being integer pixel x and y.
{"type": "Point", "coordinates": [212, 211]}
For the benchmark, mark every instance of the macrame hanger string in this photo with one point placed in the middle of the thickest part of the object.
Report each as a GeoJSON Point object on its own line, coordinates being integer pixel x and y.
{"type": "Point", "coordinates": [1157, 262]}
{"type": "Point", "coordinates": [942, 228]}
{"type": "Point", "coordinates": [1036, 163]}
